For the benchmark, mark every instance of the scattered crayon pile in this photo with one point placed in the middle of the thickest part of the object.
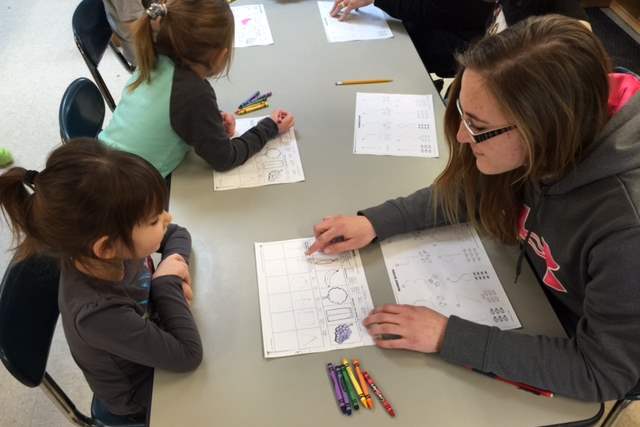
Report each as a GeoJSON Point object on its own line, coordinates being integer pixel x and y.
{"type": "Point", "coordinates": [253, 103]}
{"type": "Point", "coordinates": [351, 388]}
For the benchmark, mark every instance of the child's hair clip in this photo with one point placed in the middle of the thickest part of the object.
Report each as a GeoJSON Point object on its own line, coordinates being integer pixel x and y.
{"type": "Point", "coordinates": [156, 10]}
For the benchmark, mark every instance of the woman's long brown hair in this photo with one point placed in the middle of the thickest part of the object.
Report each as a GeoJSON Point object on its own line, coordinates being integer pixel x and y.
{"type": "Point", "coordinates": [549, 76]}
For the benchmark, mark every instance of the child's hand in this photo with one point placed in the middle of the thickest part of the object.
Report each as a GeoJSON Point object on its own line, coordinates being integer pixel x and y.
{"type": "Point", "coordinates": [188, 293]}
{"type": "Point", "coordinates": [229, 122]}
{"type": "Point", "coordinates": [174, 265]}
{"type": "Point", "coordinates": [283, 119]}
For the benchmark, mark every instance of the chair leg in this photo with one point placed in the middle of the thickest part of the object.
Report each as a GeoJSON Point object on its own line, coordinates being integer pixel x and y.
{"type": "Point", "coordinates": [615, 412]}
{"type": "Point", "coordinates": [64, 404]}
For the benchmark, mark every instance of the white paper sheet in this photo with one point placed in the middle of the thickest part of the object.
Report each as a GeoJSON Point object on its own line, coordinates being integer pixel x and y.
{"type": "Point", "coordinates": [366, 23]}
{"type": "Point", "coordinates": [277, 163]}
{"type": "Point", "coordinates": [310, 304]}
{"type": "Point", "coordinates": [251, 26]}
{"type": "Point", "coordinates": [395, 125]}
{"type": "Point", "coordinates": [448, 270]}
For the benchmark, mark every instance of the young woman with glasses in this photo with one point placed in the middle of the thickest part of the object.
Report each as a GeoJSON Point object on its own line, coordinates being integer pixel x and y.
{"type": "Point", "coordinates": [545, 152]}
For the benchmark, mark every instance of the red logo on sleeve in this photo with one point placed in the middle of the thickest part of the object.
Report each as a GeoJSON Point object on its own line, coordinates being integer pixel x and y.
{"type": "Point", "coordinates": [542, 249]}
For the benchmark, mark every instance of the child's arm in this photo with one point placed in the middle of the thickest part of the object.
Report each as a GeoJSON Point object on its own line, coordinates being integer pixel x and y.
{"type": "Point", "coordinates": [114, 326]}
{"type": "Point", "coordinates": [177, 240]}
{"type": "Point", "coordinates": [196, 119]}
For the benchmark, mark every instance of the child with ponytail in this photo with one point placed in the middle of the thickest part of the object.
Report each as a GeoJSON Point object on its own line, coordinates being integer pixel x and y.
{"type": "Point", "coordinates": [99, 212]}
{"type": "Point", "coordinates": [168, 105]}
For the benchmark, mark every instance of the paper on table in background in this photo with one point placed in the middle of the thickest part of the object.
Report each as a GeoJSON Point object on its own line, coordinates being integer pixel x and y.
{"type": "Point", "coordinates": [366, 23]}
{"type": "Point", "coordinates": [251, 26]}
{"type": "Point", "coordinates": [277, 163]}
{"type": "Point", "coordinates": [448, 270]}
{"type": "Point", "coordinates": [310, 304]}
{"type": "Point", "coordinates": [395, 125]}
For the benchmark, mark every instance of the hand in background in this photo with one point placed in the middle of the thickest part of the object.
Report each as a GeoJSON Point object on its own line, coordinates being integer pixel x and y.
{"type": "Point", "coordinates": [229, 122]}
{"type": "Point", "coordinates": [417, 328]}
{"type": "Point", "coordinates": [344, 7]}
{"type": "Point", "coordinates": [284, 120]}
{"type": "Point", "coordinates": [342, 233]}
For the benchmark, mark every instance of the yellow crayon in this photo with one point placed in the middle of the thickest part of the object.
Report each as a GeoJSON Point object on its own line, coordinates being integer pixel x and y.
{"type": "Point", "coordinates": [254, 107]}
{"type": "Point", "coordinates": [363, 383]}
{"type": "Point", "coordinates": [354, 381]}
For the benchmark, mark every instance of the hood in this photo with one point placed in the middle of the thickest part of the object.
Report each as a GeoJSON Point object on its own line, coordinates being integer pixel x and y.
{"type": "Point", "coordinates": [617, 147]}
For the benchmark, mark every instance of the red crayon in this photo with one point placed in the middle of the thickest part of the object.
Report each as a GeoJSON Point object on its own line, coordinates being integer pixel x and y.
{"type": "Point", "coordinates": [378, 393]}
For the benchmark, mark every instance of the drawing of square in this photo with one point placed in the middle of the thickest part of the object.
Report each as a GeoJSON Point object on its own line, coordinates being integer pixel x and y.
{"type": "Point", "coordinates": [309, 338]}
{"type": "Point", "coordinates": [281, 322]}
{"type": "Point", "coordinates": [300, 282]}
{"type": "Point", "coordinates": [277, 284]}
{"type": "Point", "coordinates": [275, 268]}
{"type": "Point", "coordinates": [294, 249]}
{"type": "Point", "coordinates": [306, 319]}
{"type": "Point", "coordinates": [285, 341]}
{"type": "Point", "coordinates": [298, 265]}
{"type": "Point", "coordinates": [280, 302]}
{"type": "Point", "coordinates": [271, 252]}
{"type": "Point", "coordinates": [303, 300]}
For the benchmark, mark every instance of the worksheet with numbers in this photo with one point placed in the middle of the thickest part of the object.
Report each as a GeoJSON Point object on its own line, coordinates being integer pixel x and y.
{"type": "Point", "coordinates": [448, 270]}
{"type": "Point", "coordinates": [395, 125]}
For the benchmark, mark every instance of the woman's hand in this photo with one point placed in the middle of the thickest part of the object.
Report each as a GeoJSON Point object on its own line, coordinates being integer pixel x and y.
{"type": "Point", "coordinates": [342, 233]}
{"type": "Point", "coordinates": [417, 328]}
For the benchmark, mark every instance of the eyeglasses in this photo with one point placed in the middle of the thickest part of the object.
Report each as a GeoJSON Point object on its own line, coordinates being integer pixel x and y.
{"type": "Point", "coordinates": [479, 137]}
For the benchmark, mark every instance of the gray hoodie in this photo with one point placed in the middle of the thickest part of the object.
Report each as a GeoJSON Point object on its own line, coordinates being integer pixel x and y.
{"type": "Point", "coordinates": [119, 332]}
{"type": "Point", "coordinates": [584, 241]}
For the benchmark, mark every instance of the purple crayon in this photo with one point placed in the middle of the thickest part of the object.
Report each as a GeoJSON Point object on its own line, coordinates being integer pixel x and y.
{"type": "Point", "coordinates": [337, 389]}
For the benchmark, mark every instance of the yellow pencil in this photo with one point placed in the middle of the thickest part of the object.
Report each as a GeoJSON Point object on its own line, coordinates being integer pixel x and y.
{"type": "Point", "coordinates": [254, 107]}
{"type": "Point", "coordinates": [361, 82]}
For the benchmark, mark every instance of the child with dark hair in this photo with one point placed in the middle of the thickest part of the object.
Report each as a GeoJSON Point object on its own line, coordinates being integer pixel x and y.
{"type": "Point", "coordinates": [169, 106]}
{"type": "Point", "coordinates": [100, 213]}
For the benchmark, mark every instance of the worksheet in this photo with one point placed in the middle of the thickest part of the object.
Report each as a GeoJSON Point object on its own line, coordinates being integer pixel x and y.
{"type": "Point", "coordinates": [365, 23]}
{"type": "Point", "coordinates": [388, 124]}
{"type": "Point", "coordinates": [251, 26]}
{"type": "Point", "coordinates": [310, 304]}
{"type": "Point", "coordinates": [448, 270]}
{"type": "Point", "coordinates": [277, 163]}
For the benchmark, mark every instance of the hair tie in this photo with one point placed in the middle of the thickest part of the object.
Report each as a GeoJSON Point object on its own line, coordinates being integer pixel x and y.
{"type": "Point", "coordinates": [156, 10]}
{"type": "Point", "coordinates": [29, 177]}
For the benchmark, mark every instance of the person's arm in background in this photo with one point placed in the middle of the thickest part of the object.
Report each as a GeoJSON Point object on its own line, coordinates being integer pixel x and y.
{"type": "Point", "coordinates": [444, 14]}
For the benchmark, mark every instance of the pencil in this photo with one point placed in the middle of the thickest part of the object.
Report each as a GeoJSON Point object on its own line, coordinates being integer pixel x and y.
{"type": "Point", "coordinates": [254, 107]}
{"type": "Point", "coordinates": [362, 82]}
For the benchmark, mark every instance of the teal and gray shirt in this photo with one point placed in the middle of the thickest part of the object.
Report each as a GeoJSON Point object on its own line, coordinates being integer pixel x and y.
{"type": "Point", "coordinates": [161, 119]}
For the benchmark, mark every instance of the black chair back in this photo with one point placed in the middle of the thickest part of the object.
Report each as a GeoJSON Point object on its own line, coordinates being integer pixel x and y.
{"type": "Point", "coordinates": [28, 316]}
{"type": "Point", "coordinates": [81, 111]}
{"type": "Point", "coordinates": [92, 34]}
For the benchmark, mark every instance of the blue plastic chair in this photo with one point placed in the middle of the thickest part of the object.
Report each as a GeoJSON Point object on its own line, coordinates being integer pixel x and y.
{"type": "Point", "coordinates": [92, 34]}
{"type": "Point", "coordinates": [28, 317]}
{"type": "Point", "coordinates": [81, 112]}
